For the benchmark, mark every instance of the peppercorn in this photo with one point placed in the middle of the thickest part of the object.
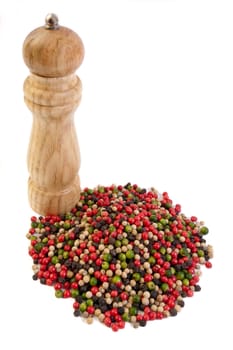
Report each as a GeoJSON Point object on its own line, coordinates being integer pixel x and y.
{"type": "Point", "coordinates": [197, 288]}
{"type": "Point", "coordinates": [173, 312]}
{"type": "Point", "coordinates": [77, 313]}
{"type": "Point", "coordinates": [123, 254]}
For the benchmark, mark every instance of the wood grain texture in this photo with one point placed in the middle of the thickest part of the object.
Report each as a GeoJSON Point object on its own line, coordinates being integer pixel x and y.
{"type": "Point", "coordinates": [53, 53]}
{"type": "Point", "coordinates": [53, 153]}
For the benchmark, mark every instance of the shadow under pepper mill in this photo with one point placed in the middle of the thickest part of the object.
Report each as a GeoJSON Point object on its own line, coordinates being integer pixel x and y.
{"type": "Point", "coordinates": [52, 92]}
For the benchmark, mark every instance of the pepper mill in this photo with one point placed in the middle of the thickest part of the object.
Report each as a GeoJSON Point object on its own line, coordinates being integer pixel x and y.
{"type": "Point", "coordinates": [53, 92]}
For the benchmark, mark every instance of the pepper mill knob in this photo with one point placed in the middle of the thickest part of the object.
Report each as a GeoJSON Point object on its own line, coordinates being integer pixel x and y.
{"type": "Point", "coordinates": [51, 21]}
{"type": "Point", "coordinates": [53, 92]}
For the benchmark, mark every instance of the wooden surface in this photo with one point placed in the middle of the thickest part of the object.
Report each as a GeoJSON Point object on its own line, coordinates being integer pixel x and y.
{"type": "Point", "coordinates": [52, 93]}
{"type": "Point", "coordinates": [53, 53]}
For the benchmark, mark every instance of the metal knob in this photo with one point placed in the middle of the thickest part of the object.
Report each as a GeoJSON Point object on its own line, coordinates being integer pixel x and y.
{"type": "Point", "coordinates": [51, 21]}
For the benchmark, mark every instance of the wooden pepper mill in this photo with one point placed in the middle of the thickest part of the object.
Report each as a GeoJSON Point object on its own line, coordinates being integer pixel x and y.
{"type": "Point", "coordinates": [52, 92]}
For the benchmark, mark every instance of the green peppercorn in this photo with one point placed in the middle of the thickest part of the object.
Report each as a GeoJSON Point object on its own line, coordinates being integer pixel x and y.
{"type": "Point", "coordinates": [164, 287]}
{"type": "Point", "coordinates": [128, 228]}
{"type": "Point", "coordinates": [204, 230]}
{"type": "Point", "coordinates": [153, 218]}
{"type": "Point", "coordinates": [117, 243]}
{"type": "Point", "coordinates": [105, 265]}
{"type": "Point", "coordinates": [124, 265]}
{"type": "Point", "coordinates": [168, 257]}
{"type": "Point", "coordinates": [130, 254]}
{"type": "Point", "coordinates": [185, 282]}
{"type": "Point", "coordinates": [107, 257]}
{"type": "Point", "coordinates": [136, 299]}
{"type": "Point", "coordinates": [59, 293]}
{"type": "Point", "coordinates": [89, 302]}
{"type": "Point", "coordinates": [160, 226]}
{"type": "Point", "coordinates": [180, 275]}
{"type": "Point", "coordinates": [136, 276]}
{"type": "Point", "coordinates": [74, 293]}
{"type": "Point", "coordinates": [101, 189]}
{"type": "Point", "coordinates": [151, 285]}
{"type": "Point", "coordinates": [184, 252]}
{"type": "Point", "coordinates": [126, 317]}
{"type": "Point", "coordinates": [151, 260]}
{"type": "Point", "coordinates": [170, 272]}
{"type": "Point", "coordinates": [93, 281]}
{"type": "Point", "coordinates": [112, 228]}
{"type": "Point", "coordinates": [38, 246]}
{"type": "Point", "coordinates": [200, 253]}
{"type": "Point", "coordinates": [65, 255]}
{"type": "Point", "coordinates": [133, 311]}
{"type": "Point", "coordinates": [66, 225]}
{"type": "Point", "coordinates": [163, 222]}
{"type": "Point", "coordinates": [192, 225]}
{"type": "Point", "coordinates": [33, 238]}
{"type": "Point", "coordinates": [125, 241]}
{"type": "Point", "coordinates": [188, 275]}
{"type": "Point", "coordinates": [162, 250]}
{"type": "Point", "coordinates": [116, 279]}
{"type": "Point", "coordinates": [122, 257]}
{"type": "Point", "coordinates": [83, 307]}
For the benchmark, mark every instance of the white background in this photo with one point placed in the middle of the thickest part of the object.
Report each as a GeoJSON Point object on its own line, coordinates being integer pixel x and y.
{"type": "Point", "coordinates": [157, 103]}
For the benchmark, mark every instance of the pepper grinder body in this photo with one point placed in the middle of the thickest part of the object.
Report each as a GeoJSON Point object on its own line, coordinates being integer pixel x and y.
{"type": "Point", "coordinates": [52, 92]}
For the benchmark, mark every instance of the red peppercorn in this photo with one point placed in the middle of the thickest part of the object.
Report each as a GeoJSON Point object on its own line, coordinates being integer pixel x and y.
{"type": "Point", "coordinates": [67, 285]}
{"type": "Point", "coordinates": [92, 249]}
{"type": "Point", "coordinates": [53, 276]}
{"type": "Point", "coordinates": [124, 296]}
{"type": "Point", "coordinates": [146, 317]}
{"type": "Point", "coordinates": [74, 285]}
{"type": "Point", "coordinates": [114, 327]}
{"type": "Point", "coordinates": [114, 293]}
{"type": "Point", "coordinates": [121, 324]}
{"type": "Point", "coordinates": [82, 245]}
{"type": "Point", "coordinates": [98, 262]}
{"type": "Point", "coordinates": [97, 274]}
{"type": "Point", "coordinates": [46, 274]}
{"type": "Point", "coordinates": [94, 290]}
{"type": "Point", "coordinates": [76, 305]}
{"type": "Point", "coordinates": [85, 258]}
{"type": "Point", "coordinates": [112, 267]}
{"type": "Point", "coordinates": [137, 263]}
{"type": "Point", "coordinates": [61, 238]}
{"type": "Point", "coordinates": [66, 293]}
{"type": "Point", "coordinates": [103, 278]}
{"type": "Point", "coordinates": [91, 310]}
{"type": "Point", "coordinates": [148, 278]}
{"type": "Point", "coordinates": [57, 286]}
{"type": "Point", "coordinates": [113, 312]}
{"type": "Point", "coordinates": [49, 282]}
{"type": "Point", "coordinates": [107, 321]}
{"type": "Point", "coordinates": [78, 276]}
{"type": "Point", "coordinates": [62, 273]}
{"type": "Point", "coordinates": [152, 315]}
{"type": "Point", "coordinates": [189, 292]}
{"type": "Point", "coordinates": [93, 256]}
{"type": "Point", "coordinates": [208, 264]}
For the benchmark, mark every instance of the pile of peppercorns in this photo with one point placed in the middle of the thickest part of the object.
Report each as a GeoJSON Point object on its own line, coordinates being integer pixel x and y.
{"type": "Point", "coordinates": [124, 254]}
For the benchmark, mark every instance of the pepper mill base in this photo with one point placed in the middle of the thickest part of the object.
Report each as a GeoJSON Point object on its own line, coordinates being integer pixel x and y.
{"type": "Point", "coordinates": [53, 203]}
